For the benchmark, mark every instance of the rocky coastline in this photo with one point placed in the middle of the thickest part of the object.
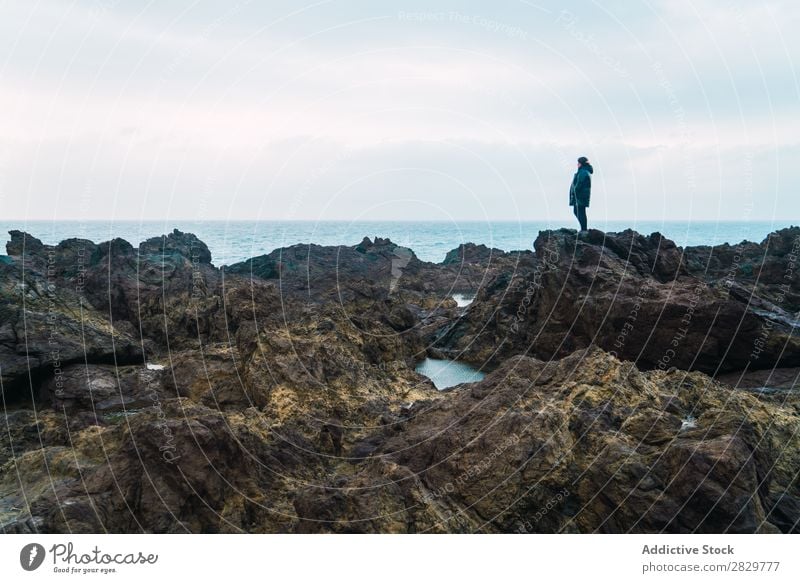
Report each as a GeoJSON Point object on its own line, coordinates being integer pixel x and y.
{"type": "Point", "coordinates": [633, 386]}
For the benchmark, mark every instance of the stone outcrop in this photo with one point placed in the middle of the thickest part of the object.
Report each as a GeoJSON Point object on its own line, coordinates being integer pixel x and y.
{"type": "Point", "coordinates": [584, 444]}
{"type": "Point", "coordinates": [281, 394]}
{"type": "Point", "coordinates": [45, 324]}
{"type": "Point", "coordinates": [641, 298]}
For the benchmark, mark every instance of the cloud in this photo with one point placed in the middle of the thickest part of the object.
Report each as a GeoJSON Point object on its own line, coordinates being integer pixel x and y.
{"type": "Point", "coordinates": [471, 108]}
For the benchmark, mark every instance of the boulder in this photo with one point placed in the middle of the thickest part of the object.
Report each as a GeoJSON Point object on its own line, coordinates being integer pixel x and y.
{"type": "Point", "coordinates": [631, 295]}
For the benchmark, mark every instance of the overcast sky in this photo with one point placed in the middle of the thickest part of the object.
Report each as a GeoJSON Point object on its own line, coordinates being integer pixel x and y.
{"type": "Point", "coordinates": [398, 110]}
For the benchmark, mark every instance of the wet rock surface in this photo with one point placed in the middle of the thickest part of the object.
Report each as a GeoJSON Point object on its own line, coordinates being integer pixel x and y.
{"type": "Point", "coordinates": [641, 298]}
{"type": "Point", "coordinates": [584, 444]}
{"type": "Point", "coordinates": [288, 401]}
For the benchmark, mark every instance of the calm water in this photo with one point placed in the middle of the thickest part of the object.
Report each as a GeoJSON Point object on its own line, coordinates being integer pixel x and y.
{"type": "Point", "coordinates": [448, 373]}
{"type": "Point", "coordinates": [235, 241]}
{"type": "Point", "coordinates": [463, 300]}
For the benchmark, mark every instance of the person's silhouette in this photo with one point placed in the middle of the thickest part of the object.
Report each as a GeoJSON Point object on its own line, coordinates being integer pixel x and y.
{"type": "Point", "coordinates": [581, 190]}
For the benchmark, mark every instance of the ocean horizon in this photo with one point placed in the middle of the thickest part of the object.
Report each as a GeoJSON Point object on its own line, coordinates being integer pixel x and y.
{"type": "Point", "coordinates": [238, 240]}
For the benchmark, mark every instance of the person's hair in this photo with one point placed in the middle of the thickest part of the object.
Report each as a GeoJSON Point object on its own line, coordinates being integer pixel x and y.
{"type": "Point", "coordinates": [583, 160]}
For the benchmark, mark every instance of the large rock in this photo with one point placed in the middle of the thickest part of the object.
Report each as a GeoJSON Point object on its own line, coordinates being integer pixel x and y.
{"type": "Point", "coordinates": [167, 289]}
{"type": "Point", "coordinates": [629, 294]}
{"type": "Point", "coordinates": [765, 271]}
{"type": "Point", "coordinates": [288, 400]}
{"type": "Point", "coordinates": [46, 323]}
{"type": "Point", "coordinates": [341, 272]}
{"type": "Point", "coordinates": [585, 444]}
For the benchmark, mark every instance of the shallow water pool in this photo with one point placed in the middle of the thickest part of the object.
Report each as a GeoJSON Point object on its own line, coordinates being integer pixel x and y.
{"type": "Point", "coordinates": [463, 300]}
{"type": "Point", "coordinates": [448, 373]}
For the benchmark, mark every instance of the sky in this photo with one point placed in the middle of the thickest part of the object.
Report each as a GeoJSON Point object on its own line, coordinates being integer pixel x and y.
{"type": "Point", "coordinates": [409, 110]}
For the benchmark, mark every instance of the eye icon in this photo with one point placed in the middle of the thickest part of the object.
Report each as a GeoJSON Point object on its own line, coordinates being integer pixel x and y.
{"type": "Point", "coordinates": [31, 556]}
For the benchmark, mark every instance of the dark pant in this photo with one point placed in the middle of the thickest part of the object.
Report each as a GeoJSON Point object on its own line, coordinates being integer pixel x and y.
{"type": "Point", "coordinates": [580, 212]}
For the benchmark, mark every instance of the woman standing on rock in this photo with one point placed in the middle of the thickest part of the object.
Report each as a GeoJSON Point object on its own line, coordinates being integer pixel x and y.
{"type": "Point", "coordinates": [581, 190]}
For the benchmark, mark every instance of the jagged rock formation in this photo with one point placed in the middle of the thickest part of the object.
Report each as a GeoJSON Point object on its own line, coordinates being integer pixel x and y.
{"type": "Point", "coordinates": [641, 298]}
{"type": "Point", "coordinates": [287, 401]}
{"type": "Point", "coordinates": [584, 444]}
{"type": "Point", "coordinates": [326, 273]}
{"type": "Point", "coordinates": [44, 324]}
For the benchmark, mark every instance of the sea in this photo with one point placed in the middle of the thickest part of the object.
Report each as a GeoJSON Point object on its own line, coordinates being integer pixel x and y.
{"type": "Point", "coordinates": [234, 241]}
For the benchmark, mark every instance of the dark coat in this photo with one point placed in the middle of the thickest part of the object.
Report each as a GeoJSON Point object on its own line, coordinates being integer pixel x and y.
{"type": "Point", "coordinates": [581, 188]}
